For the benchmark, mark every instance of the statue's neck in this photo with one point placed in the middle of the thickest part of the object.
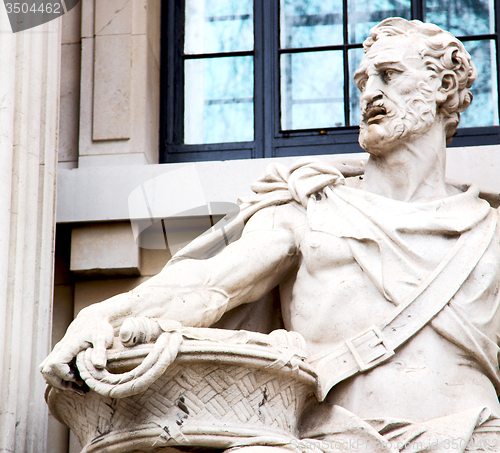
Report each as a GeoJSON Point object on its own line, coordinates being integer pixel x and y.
{"type": "Point", "coordinates": [414, 170]}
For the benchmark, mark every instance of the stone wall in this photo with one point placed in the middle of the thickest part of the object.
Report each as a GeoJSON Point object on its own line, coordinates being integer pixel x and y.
{"type": "Point", "coordinates": [117, 78]}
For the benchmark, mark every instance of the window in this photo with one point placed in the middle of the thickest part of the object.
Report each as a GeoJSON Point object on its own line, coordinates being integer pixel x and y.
{"type": "Point", "coordinates": [272, 78]}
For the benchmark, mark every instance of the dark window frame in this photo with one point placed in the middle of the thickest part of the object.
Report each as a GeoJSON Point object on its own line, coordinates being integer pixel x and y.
{"type": "Point", "coordinates": [269, 140]}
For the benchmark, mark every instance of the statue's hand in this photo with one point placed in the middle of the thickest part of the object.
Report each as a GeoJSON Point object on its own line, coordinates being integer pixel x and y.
{"type": "Point", "coordinates": [165, 346]}
{"type": "Point", "coordinates": [85, 331]}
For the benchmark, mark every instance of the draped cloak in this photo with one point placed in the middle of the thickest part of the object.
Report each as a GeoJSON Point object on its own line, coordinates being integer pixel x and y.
{"type": "Point", "coordinates": [392, 242]}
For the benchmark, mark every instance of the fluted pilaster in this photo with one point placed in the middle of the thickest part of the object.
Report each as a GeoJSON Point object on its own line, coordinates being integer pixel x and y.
{"type": "Point", "coordinates": [29, 100]}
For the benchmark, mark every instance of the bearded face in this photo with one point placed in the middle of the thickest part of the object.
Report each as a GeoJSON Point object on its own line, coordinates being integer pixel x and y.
{"type": "Point", "coordinates": [400, 121]}
{"type": "Point", "coordinates": [398, 94]}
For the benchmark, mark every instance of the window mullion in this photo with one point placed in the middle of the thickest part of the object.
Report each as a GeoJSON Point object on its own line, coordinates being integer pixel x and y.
{"type": "Point", "coordinates": [166, 77]}
{"type": "Point", "coordinates": [346, 63]}
{"type": "Point", "coordinates": [272, 101]}
{"type": "Point", "coordinates": [417, 9]}
{"type": "Point", "coordinates": [496, 11]}
{"type": "Point", "coordinates": [178, 61]}
{"type": "Point", "coordinates": [259, 81]}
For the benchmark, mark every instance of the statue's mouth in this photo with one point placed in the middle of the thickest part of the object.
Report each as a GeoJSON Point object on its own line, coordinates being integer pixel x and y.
{"type": "Point", "coordinates": [374, 113]}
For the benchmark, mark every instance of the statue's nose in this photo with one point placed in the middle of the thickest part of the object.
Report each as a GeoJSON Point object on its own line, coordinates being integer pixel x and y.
{"type": "Point", "coordinates": [372, 90]}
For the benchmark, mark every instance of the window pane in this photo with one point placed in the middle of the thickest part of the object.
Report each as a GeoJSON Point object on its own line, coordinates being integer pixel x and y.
{"type": "Point", "coordinates": [484, 108]}
{"type": "Point", "coordinates": [218, 26]}
{"type": "Point", "coordinates": [461, 17]}
{"type": "Point", "coordinates": [365, 14]}
{"type": "Point", "coordinates": [312, 90]}
{"type": "Point", "coordinates": [218, 103]}
{"type": "Point", "coordinates": [310, 23]}
{"type": "Point", "coordinates": [355, 56]}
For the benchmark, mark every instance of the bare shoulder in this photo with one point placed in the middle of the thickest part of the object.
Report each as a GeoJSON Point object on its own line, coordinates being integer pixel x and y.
{"type": "Point", "coordinates": [286, 217]}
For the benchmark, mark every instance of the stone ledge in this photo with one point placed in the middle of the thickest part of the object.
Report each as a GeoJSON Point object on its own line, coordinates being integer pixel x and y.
{"type": "Point", "coordinates": [101, 193]}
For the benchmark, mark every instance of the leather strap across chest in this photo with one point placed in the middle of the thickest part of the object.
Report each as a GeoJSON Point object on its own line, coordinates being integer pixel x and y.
{"type": "Point", "coordinates": [376, 344]}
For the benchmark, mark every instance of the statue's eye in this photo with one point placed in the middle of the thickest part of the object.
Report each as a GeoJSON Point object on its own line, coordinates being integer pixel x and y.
{"type": "Point", "coordinates": [362, 84]}
{"type": "Point", "coordinates": [389, 74]}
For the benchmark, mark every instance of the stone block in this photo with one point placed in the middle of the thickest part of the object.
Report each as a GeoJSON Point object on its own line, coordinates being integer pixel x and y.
{"type": "Point", "coordinates": [113, 17]}
{"type": "Point", "coordinates": [152, 106]}
{"type": "Point", "coordinates": [104, 250]}
{"type": "Point", "coordinates": [69, 117]}
{"type": "Point", "coordinates": [67, 165]}
{"type": "Point", "coordinates": [119, 92]}
{"type": "Point", "coordinates": [86, 94]}
{"type": "Point", "coordinates": [180, 231]}
{"type": "Point", "coordinates": [108, 160]}
{"type": "Point", "coordinates": [87, 30]}
{"type": "Point", "coordinates": [87, 146]}
{"type": "Point", "coordinates": [112, 87]}
{"type": "Point", "coordinates": [154, 27]}
{"type": "Point", "coordinates": [475, 165]}
{"type": "Point", "coordinates": [139, 17]}
{"type": "Point", "coordinates": [140, 86]}
{"type": "Point", "coordinates": [153, 261]}
{"type": "Point", "coordinates": [72, 25]}
{"type": "Point", "coordinates": [80, 191]}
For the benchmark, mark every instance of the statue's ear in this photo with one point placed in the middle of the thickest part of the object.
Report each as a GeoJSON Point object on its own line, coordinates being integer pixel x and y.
{"type": "Point", "coordinates": [449, 85]}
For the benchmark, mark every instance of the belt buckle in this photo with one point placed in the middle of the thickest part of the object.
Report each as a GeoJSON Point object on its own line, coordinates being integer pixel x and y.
{"type": "Point", "coordinates": [379, 340]}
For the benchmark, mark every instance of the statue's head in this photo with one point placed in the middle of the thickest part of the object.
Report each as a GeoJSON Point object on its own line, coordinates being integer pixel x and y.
{"type": "Point", "coordinates": [412, 75]}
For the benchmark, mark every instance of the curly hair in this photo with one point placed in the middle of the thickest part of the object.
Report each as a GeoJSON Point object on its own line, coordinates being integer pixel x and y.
{"type": "Point", "coordinates": [443, 52]}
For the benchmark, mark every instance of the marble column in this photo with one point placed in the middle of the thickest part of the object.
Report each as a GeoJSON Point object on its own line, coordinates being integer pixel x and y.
{"type": "Point", "coordinates": [29, 104]}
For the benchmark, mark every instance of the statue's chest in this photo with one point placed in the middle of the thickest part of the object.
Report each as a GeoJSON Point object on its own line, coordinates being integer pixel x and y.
{"type": "Point", "coordinates": [338, 233]}
{"type": "Point", "coordinates": [319, 245]}
{"type": "Point", "coordinates": [347, 246]}
{"type": "Point", "coordinates": [321, 250]}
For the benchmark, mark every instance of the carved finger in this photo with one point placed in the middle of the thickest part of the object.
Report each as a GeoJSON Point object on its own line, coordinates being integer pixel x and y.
{"type": "Point", "coordinates": [103, 341]}
{"type": "Point", "coordinates": [64, 371]}
{"type": "Point", "coordinates": [60, 359]}
{"type": "Point", "coordinates": [99, 359]}
{"type": "Point", "coordinates": [58, 376]}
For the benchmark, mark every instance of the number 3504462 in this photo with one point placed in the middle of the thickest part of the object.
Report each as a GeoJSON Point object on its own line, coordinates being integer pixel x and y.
{"type": "Point", "coordinates": [50, 8]}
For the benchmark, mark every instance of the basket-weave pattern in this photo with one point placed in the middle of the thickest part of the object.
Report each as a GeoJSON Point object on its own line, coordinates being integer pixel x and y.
{"type": "Point", "coordinates": [187, 395]}
{"type": "Point", "coordinates": [233, 394]}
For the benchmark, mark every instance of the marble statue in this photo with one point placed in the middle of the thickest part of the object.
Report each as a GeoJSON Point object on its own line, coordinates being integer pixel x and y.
{"type": "Point", "coordinates": [388, 277]}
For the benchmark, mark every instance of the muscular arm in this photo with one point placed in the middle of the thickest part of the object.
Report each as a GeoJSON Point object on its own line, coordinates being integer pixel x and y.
{"type": "Point", "coordinates": [198, 292]}
{"type": "Point", "coordinates": [194, 292]}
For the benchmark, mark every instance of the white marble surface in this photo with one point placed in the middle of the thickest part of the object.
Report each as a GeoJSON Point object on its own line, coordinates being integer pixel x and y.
{"type": "Point", "coordinates": [29, 62]}
{"type": "Point", "coordinates": [388, 273]}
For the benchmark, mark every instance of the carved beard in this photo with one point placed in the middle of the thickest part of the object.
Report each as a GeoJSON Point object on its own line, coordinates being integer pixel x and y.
{"type": "Point", "coordinates": [404, 122]}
